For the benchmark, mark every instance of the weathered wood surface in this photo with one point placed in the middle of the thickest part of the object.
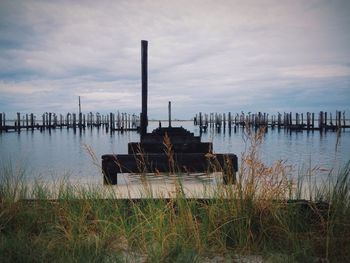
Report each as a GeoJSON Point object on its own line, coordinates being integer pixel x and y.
{"type": "Point", "coordinates": [112, 164]}
{"type": "Point", "coordinates": [190, 147]}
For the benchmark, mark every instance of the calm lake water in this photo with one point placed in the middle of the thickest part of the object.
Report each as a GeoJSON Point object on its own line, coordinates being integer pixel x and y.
{"type": "Point", "coordinates": [59, 153]}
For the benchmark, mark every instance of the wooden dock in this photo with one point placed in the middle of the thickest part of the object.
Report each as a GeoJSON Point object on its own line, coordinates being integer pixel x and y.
{"type": "Point", "coordinates": [166, 149]}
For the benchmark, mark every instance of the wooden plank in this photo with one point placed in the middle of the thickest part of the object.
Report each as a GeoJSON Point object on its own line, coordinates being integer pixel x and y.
{"type": "Point", "coordinates": [183, 147]}
{"type": "Point", "coordinates": [182, 162]}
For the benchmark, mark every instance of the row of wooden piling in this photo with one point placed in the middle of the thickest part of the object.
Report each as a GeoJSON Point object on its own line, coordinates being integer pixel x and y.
{"type": "Point", "coordinates": [49, 120]}
{"type": "Point", "coordinates": [298, 121]}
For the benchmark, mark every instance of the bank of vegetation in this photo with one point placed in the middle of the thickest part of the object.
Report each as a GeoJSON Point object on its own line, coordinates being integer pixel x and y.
{"type": "Point", "coordinates": [265, 213]}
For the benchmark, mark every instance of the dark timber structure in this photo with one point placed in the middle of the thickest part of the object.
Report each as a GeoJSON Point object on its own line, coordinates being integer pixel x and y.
{"type": "Point", "coordinates": [169, 149]}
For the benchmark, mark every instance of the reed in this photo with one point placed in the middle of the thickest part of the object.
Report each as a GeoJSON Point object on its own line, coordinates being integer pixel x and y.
{"type": "Point", "coordinates": [265, 213]}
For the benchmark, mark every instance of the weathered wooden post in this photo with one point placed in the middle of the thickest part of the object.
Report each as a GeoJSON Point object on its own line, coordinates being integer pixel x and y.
{"type": "Point", "coordinates": [27, 121]}
{"type": "Point", "coordinates": [229, 122]}
{"type": "Point", "coordinates": [296, 118]}
{"type": "Point", "coordinates": [111, 120]}
{"type": "Point", "coordinates": [4, 119]}
{"type": "Point", "coordinates": [313, 120]}
{"type": "Point", "coordinates": [50, 120]}
{"type": "Point", "coordinates": [339, 119]}
{"type": "Point", "coordinates": [279, 119]}
{"type": "Point", "coordinates": [169, 113]}
{"type": "Point", "coordinates": [32, 124]}
{"type": "Point", "coordinates": [74, 121]}
{"type": "Point", "coordinates": [308, 120]}
{"type": "Point", "coordinates": [43, 123]}
{"type": "Point", "coordinates": [80, 116]}
{"type": "Point", "coordinates": [0, 122]}
{"type": "Point", "coordinates": [47, 119]}
{"type": "Point", "coordinates": [224, 120]}
{"type": "Point", "coordinates": [61, 121]}
{"type": "Point", "coordinates": [302, 120]}
{"type": "Point", "coordinates": [55, 120]}
{"type": "Point", "coordinates": [144, 83]}
{"type": "Point", "coordinates": [18, 122]}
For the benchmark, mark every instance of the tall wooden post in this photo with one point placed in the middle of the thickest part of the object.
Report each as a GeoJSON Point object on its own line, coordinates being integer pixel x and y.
{"type": "Point", "coordinates": [0, 122]}
{"type": "Point", "coordinates": [169, 113]}
{"type": "Point", "coordinates": [144, 82]}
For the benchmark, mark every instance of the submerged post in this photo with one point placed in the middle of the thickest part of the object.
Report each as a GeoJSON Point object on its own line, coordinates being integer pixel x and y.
{"type": "Point", "coordinates": [144, 83]}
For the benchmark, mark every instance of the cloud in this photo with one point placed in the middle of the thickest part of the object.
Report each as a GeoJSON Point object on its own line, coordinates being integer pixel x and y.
{"type": "Point", "coordinates": [317, 71]}
{"type": "Point", "coordinates": [203, 55]}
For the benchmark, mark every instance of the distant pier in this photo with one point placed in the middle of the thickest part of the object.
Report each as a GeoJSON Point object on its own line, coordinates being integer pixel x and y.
{"type": "Point", "coordinates": [121, 121]}
{"type": "Point", "coordinates": [49, 120]}
{"type": "Point", "coordinates": [323, 121]}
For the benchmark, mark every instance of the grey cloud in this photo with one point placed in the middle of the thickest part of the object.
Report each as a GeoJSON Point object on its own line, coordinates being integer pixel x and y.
{"type": "Point", "coordinates": [203, 55]}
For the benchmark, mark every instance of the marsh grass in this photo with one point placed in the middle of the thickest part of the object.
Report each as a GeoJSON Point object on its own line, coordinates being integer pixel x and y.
{"type": "Point", "coordinates": [265, 213]}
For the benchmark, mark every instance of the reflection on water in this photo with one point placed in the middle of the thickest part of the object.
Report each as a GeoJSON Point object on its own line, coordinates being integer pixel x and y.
{"type": "Point", "coordinates": [63, 152]}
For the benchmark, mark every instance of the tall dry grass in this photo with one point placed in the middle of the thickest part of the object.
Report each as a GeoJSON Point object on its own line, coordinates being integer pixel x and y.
{"type": "Point", "coordinates": [261, 214]}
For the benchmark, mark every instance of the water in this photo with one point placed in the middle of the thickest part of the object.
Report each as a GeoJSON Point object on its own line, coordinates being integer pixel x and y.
{"type": "Point", "coordinates": [59, 153]}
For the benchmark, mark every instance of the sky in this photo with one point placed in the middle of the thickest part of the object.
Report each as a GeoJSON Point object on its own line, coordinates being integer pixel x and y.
{"type": "Point", "coordinates": [209, 56]}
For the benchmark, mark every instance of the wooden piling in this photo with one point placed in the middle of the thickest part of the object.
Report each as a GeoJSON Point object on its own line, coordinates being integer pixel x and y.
{"type": "Point", "coordinates": [27, 121]}
{"type": "Point", "coordinates": [80, 119]}
{"type": "Point", "coordinates": [18, 122]}
{"type": "Point", "coordinates": [169, 113]}
{"type": "Point", "coordinates": [0, 122]}
{"type": "Point", "coordinates": [229, 121]}
{"type": "Point", "coordinates": [111, 120]}
{"type": "Point", "coordinates": [144, 80]}
{"type": "Point", "coordinates": [74, 121]}
{"type": "Point", "coordinates": [339, 119]}
{"type": "Point", "coordinates": [320, 121]}
{"type": "Point", "coordinates": [50, 120]}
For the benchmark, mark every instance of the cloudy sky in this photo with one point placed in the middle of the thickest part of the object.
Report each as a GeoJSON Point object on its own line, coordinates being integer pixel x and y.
{"type": "Point", "coordinates": [210, 56]}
